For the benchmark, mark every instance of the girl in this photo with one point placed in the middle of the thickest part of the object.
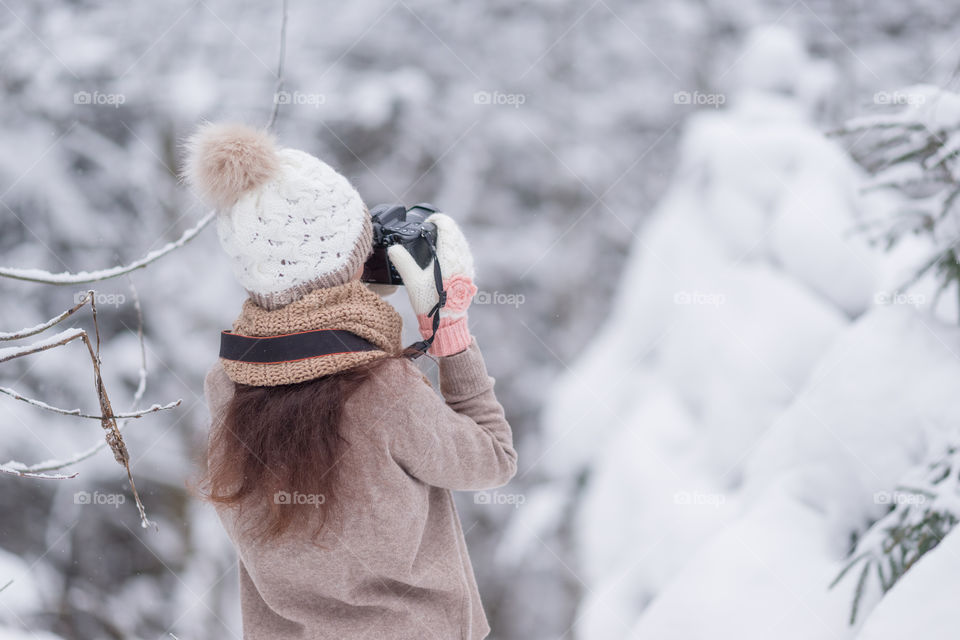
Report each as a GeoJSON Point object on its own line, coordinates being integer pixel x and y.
{"type": "Point", "coordinates": [331, 467]}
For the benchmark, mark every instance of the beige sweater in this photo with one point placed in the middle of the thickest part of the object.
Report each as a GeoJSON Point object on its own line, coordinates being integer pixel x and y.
{"type": "Point", "coordinates": [399, 570]}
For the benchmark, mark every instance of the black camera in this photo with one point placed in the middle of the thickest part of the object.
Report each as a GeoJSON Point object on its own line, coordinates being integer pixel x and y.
{"type": "Point", "coordinates": [395, 224]}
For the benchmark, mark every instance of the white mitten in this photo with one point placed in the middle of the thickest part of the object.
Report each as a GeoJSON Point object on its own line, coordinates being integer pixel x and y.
{"type": "Point", "coordinates": [456, 267]}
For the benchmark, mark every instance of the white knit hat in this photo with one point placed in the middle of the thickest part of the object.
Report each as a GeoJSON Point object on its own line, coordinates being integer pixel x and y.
{"type": "Point", "coordinates": [288, 221]}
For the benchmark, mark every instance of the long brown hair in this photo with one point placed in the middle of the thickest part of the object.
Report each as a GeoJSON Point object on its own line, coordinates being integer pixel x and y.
{"type": "Point", "coordinates": [280, 447]}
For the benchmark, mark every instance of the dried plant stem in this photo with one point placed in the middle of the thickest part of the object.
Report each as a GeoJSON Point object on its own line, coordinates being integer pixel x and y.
{"type": "Point", "coordinates": [108, 422]}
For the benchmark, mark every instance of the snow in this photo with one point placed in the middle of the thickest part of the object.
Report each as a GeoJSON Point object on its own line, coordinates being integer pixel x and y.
{"type": "Point", "coordinates": [757, 383]}
{"type": "Point", "coordinates": [21, 593]}
{"type": "Point", "coordinates": [745, 284]}
{"type": "Point", "coordinates": [763, 576]}
{"type": "Point", "coordinates": [35, 329]}
{"type": "Point", "coordinates": [19, 469]}
{"type": "Point", "coordinates": [8, 353]}
{"type": "Point", "coordinates": [812, 238]}
{"type": "Point", "coordinates": [739, 363]}
{"type": "Point", "coordinates": [654, 467]}
{"type": "Point", "coordinates": [38, 403]}
{"type": "Point", "coordinates": [773, 59]}
{"type": "Point", "coordinates": [856, 427]}
{"type": "Point", "coordinates": [934, 108]}
{"type": "Point", "coordinates": [542, 506]}
{"type": "Point", "coordinates": [851, 432]}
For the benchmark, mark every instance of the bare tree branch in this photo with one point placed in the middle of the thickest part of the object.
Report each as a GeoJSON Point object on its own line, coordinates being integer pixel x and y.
{"type": "Point", "coordinates": [79, 414]}
{"type": "Point", "coordinates": [56, 340]}
{"type": "Point", "coordinates": [107, 417]}
{"type": "Point", "coordinates": [142, 382]}
{"type": "Point", "coordinates": [138, 395]}
{"type": "Point", "coordinates": [32, 331]}
{"type": "Point", "coordinates": [280, 58]}
{"type": "Point", "coordinates": [11, 468]}
{"type": "Point", "coordinates": [82, 277]}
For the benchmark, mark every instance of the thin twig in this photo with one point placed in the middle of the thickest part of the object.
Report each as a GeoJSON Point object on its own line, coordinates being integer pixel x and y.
{"type": "Point", "coordinates": [57, 340]}
{"type": "Point", "coordinates": [32, 331]}
{"type": "Point", "coordinates": [82, 277]}
{"type": "Point", "coordinates": [107, 417]}
{"type": "Point", "coordinates": [7, 469]}
{"type": "Point", "coordinates": [142, 377]}
{"type": "Point", "coordinates": [96, 325]}
{"type": "Point", "coordinates": [279, 86]}
{"type": "Point", "coordinates": [141, 388]}
{"type": "Point", "coordinates": [77, 413]}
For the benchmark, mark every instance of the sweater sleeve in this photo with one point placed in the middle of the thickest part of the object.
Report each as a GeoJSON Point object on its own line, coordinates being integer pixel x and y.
{"type": "Point", "coordinates": [461, 441]}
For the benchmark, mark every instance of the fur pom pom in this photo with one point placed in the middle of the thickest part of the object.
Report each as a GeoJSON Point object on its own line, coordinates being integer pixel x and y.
{"type": "Point", "coordinates": [226, 160]}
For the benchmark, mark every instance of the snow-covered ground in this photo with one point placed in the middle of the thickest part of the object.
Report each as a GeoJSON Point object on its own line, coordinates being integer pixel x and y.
{"type": "Point", "coordinates": [756, 387]}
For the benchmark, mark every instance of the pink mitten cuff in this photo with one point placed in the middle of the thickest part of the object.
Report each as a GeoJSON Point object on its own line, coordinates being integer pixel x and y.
{"type": "Point", "coordinates": [453, 336]}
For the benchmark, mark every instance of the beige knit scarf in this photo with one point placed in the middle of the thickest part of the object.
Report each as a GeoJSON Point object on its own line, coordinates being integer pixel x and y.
{"type": "Point", "coordinates": [351, 307]}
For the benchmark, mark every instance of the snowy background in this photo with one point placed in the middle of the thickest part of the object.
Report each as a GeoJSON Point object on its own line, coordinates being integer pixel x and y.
{"type": "Point", "coordinates": [720, 392]}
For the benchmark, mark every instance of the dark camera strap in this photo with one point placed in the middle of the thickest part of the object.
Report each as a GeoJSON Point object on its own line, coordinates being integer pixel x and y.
{"type": "Point", "coordinates": [417, 349]}
{"type": "Point", "coordinates": [291, 347]}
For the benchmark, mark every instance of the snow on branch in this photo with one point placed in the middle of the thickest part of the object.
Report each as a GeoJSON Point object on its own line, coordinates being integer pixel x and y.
{"type": "Point", "coordinates": [280, 59]}
{"type": "Point", "coordinates": [43, 326]}
{"type": "Point", "coordinates": [914, 153]}
{"type": "Point", "coordinates": [82, 277]}
{"type": "Point", "coordinates": [925, 507]}
{"type": "Point", "coordinates": [19, 469]}
{"type": "Point", "coordinates": [79, 414]}
{"type": "Point", "coordinates": [141, 385]}
{"type": "Point", "coordinates": [107, 417]}
{"type": "Point", "coordinates": [56, 340]}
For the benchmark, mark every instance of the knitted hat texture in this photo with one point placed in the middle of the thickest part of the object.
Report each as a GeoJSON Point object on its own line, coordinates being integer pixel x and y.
{"type": "Point", "coordinates": [288, 221]}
